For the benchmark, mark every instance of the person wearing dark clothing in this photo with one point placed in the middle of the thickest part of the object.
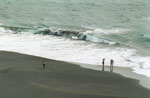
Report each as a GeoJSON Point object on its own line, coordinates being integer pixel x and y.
{"type": "Point", "coordinates": [103, 62]}
{"type": "Point", "coordinates": [111, 65]}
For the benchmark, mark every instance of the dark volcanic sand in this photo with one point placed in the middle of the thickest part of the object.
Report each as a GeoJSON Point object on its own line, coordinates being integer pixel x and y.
{"type": "Point", "coordinates": [21, 76]}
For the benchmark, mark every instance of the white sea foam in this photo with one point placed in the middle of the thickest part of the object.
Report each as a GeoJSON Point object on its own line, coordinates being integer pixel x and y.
{"type": "Point", "coordinates": [108, 31]}
{"type": "Point", "coordinates": [3, 31]}
{"type": "Point", "coordinates": [60, 48]}
{"type": "Point", "coordinates": [91, 37]}
{"type": "Point", "coordinates": [112, 31]}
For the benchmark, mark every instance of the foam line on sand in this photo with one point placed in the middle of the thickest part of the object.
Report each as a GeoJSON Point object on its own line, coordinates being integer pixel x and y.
{"type": "Point", "coordinates": [22, 76]}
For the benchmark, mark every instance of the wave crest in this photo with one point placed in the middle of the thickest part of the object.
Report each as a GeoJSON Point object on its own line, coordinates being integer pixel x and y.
{"type": "Point", "coordinates": [73, 34]}
{"type": "Point", "coordinates": [79, 35]}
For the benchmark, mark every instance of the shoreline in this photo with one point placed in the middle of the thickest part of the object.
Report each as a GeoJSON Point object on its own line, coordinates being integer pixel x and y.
{"type": "Point", "coordinates": [22, 76]}
{"type": "Point", "coordinates": [124, 71]}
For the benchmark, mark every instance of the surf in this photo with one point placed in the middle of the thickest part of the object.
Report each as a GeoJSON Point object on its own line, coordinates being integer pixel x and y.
{"type": "Point", "coordinates": [61, 46]}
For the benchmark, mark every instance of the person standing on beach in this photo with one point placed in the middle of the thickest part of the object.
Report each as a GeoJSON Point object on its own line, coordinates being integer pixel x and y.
{"type": "Point", "coordinates": [111, 65]}
{"type": "Point", "coordinates": [44, 64]}
{"type": "Point", "coordinates": [103, 62]}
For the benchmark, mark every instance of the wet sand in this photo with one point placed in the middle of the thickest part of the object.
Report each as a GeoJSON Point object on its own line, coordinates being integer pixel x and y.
{"type": "Point", "coordinates": [126, 72]}
{"type": "Point", "coordinates": [22, 76]}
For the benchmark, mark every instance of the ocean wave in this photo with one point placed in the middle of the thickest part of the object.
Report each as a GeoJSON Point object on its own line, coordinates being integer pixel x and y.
{"type": "Point", "coordinates": [14, 28]}
{"type": "Point", "coordinates": [86, 35]}
{"type": "Point", "coordinates": [73, 34]}
{"type": "Point", "coordinates": [59, 48]}
{"type": "Point", "coordinates": [91, 37]}
{"type": "Point", "coordinates": [80, 35]}
{"type": "Point", "coordinates": [109, 31]}
{"type": "Point", "coordinates": [3, 30]}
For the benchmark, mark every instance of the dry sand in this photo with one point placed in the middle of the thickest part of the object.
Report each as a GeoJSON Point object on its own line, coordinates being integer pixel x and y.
{"type": "Point", "coordinates": [21, 76]}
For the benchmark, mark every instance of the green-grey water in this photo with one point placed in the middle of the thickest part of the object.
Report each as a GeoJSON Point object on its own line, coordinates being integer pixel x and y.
{"type": "Point", "coordinates": [108, 27]}
{"type": "Point", "coordinates": [78, 14]}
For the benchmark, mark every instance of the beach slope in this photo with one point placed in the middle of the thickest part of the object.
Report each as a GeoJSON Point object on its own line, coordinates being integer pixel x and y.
{"type": "Point", "coordinates": [22, 76]}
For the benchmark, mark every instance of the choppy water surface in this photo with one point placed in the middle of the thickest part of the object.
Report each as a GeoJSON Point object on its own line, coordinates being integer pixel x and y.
{"type": "Point", "coordinates": [83, 31]}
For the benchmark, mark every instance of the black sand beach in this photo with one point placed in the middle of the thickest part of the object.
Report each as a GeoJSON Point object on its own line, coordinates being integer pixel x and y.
{"type": "Point", "coordinates": [21, 76]}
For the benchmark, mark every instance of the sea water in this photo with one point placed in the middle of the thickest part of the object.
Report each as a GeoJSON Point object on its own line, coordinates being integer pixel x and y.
{"type": "Point", "coordinates": [81, 31]}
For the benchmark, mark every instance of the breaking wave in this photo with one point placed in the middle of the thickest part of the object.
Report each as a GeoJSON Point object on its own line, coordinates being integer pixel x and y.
{"type": "Point", "coordinates": [85, 35]}
{"type": "Point", "coordinates": [34, 42]}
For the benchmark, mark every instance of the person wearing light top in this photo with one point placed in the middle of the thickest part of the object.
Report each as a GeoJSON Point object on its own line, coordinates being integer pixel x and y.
{"type": "Point", "coordinates": [44, 64]}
